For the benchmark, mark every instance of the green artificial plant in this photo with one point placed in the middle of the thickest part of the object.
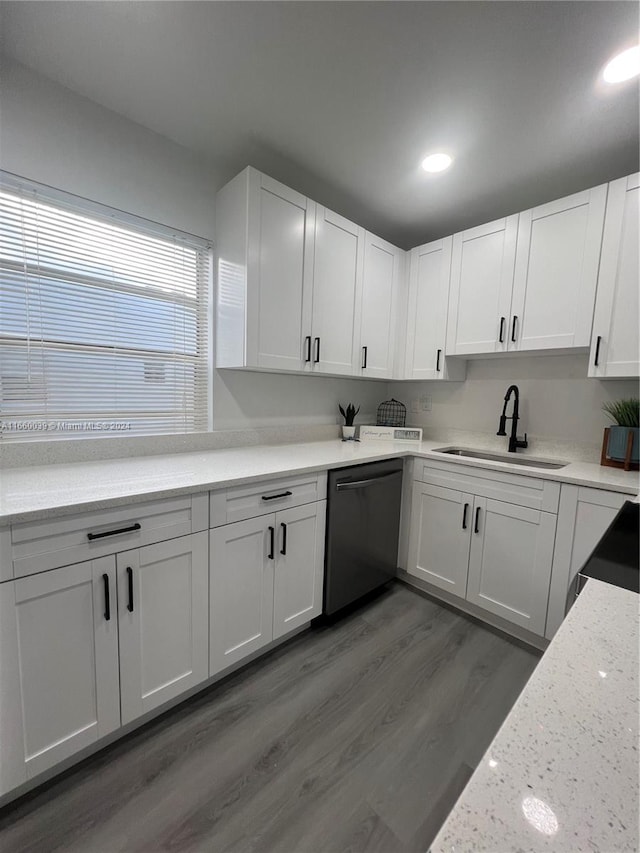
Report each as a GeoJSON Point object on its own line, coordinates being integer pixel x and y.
{"type": "Point", "coordinates": [625, 413]}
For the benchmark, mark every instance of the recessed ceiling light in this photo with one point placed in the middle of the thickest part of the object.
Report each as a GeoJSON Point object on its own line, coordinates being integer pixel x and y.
{"type": "Point", "coordinates": [436, 162]}
{"type": "Point", "coordinates": [622, 67]}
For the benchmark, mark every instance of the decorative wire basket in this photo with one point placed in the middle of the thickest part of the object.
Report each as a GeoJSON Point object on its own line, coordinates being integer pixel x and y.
{"type": "Point", "coordinates": [391, 413]}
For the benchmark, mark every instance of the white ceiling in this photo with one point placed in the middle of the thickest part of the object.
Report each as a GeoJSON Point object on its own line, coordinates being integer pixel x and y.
{"type": "Point", "coordinates": [341, 100]}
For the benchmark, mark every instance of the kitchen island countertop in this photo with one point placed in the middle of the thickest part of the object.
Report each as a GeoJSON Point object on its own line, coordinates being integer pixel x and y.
{"type": "Point", "coordinates": [562, 772]}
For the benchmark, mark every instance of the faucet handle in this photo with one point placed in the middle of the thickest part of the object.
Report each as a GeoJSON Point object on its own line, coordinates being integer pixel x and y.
{"type": "Point", "coordinates": [522, 442]}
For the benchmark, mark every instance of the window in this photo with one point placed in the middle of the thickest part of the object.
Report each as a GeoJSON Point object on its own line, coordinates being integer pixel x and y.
{"type": "Point", "coordinates": [103, 321]}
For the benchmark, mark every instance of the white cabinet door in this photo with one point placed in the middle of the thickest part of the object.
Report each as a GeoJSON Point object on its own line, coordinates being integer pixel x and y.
{"type": "Point", "coordinates": [281, 234]}
{"type": "Point", "coordinates": [615, 348]}
{"type": "Point", "coordinates": [59, 657]}
{"type": "Point", "coordinates": [299, 569]}
{"type": "Point", "coordinates": [264, 246]}
{"type": "Point", "coordinates": [337, 285]}
{"type": "Point", "coordinates": [510, 562]}
{"type": "Point", "coordinates": [583, 516]}
{"type": "Point", "coordinates": [163, 620]}
{"type": "Point", "coordinates": [439, 539]}
{"type": "Point", "coordinates": [556, 270]}
{"type": "Point", "coordinates": [429, 273]}
{"type": "Point", "coordinates": [482, 266]}
{"type": "Point", "coordinates": [242, 559]}
{"type": "Point", "coordinates": [382, 264]}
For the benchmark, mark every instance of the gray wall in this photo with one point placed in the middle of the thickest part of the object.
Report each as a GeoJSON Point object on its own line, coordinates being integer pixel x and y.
{"type": "Point", "coordinates": [51, 135]}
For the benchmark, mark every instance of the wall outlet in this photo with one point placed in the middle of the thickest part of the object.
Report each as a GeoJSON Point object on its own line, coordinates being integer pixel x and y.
{"type": "Point", "coordinates": [425, 403]}
{"type": "Point", "coordinates": [415, 406]}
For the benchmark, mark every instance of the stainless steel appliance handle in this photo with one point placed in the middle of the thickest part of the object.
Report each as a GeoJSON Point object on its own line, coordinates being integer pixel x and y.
{"type": "Point", "coordinates": [361, 484]}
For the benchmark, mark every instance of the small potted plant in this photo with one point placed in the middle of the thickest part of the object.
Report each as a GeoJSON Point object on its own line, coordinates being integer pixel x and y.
{"type": "Point", "coordinates": [349, 414]}
{"type": "Point", "coordinates": [626, 417]}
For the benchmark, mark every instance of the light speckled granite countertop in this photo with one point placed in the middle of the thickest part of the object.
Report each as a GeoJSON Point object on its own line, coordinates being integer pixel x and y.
{"type": "Point", "coordinates": [49, 490]}
{"type": "Point", "coordinates": [562, 772]}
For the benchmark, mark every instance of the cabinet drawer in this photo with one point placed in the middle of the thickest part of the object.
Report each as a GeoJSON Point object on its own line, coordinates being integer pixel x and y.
{"type": "Point", "coordinates": [242, 502]}
{"type": "Point", "coordinates": [512, 488]}
{"type": "Point", "coordinates": [37, 546]}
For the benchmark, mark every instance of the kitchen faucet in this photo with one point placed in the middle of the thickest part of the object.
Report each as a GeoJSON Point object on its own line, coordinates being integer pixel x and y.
{"type": "Point", "coordinates": [514, 441]}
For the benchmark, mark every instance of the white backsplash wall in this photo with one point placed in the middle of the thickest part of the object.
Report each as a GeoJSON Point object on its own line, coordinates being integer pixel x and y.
{"type": "Point", "coordinates": [560, 408]}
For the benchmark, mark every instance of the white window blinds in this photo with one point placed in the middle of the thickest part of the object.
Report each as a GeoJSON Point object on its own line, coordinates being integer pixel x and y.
{"type": "Point", "coordinates": [103, 323]}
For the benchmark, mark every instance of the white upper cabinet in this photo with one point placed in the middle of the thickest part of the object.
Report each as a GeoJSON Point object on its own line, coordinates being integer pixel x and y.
{"type": "Point", "coordinates": [614, 345]}
{"type": "Point", "coordinates": [481, 284]}
{"type": "Point", "coordinates": [265, 235]}
{"type": "Point", "coordinates": [429, 273]}
{"type": "Point", "coordinates": [337, 288]}
{"type": "Point", "coordinates": [383, 265]}
{"type": "Point", "coordinates": [556, 271]}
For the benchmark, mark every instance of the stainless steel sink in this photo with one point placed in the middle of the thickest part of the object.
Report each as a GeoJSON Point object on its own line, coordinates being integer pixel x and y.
{"type": "Point", "coordinates": [511, 458]}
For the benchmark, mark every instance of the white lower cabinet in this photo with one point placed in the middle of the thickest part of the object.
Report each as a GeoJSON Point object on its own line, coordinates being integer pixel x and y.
{"type": "Point", "coordinates": [510, 562]}
{"type": "Point", "coordinates": [89, 647]}
{"type": "Point", "coordinates": [495, 554]}
{"type": "Point", "coordinates": [583, 517]}
{"type": "Point", "coordinates": [163, 622]}
{"type": "Point", "coordinates": [59, 685]}
{"type": "Point", "coordinates": [266, 580]}
{"type": "Point", "coordinates": [297, 590]}
{"type": "Point", "coordinates": [440, 537]}
{"type": "Point", "coordinates": [241, 590]}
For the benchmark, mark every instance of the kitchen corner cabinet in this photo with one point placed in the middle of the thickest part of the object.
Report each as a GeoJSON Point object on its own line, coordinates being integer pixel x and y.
{"type": "Point", "coordinates": [486, 539]}
{"type": "Point", "coordinates": [330, 345]}
{"type": "Point", "coordinates": [163, 622]}
{"type": "Point", "coordinates": [59, 678]}
{"type": "Point", "coordinates": [383, 268]}
{"type": "Point", "coordinates": [265, 248]}
{"type": "Point", "coordinates": [615, 347]}
{"type": "Point", "coordinates": [266, 580]}
{"type": "Point", "coordinates": [429, 273]}
{"type": "Point", "coordinates": [583, 517]}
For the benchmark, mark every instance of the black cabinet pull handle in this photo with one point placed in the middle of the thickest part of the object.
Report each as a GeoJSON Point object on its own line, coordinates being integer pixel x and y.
{"type": "Point", "coordinates": [464, 516]}
{"type": "Point", "coordinates": [272, 542]}
{"type": "Point", "coordinates": [130, 584]}
{"type": "Point", "coordinates": [501, 335]}
{"type": "Point", "coordinates": [439, 353]}
{"type": "Point", "coordinates": [283, 550]}
{"type": "Point", "coordinates": [364, 357]}
{"type": "Point", "coordinates": [107, 598]}
{"type": "Point", "coordinates": [273, 497]}
{"type": "Point", "coordinates": [307, 346]}
{"type": "Point", "coordinates": [92, 536]}
{"type": "Point", "coordinates": [513, 329]}
{"type": "Point", "coordinates": [596, 360]}
{"type": "Point", "coordinates": [476, 529]}
{"type": "Point", "coordinates": [317, 347]}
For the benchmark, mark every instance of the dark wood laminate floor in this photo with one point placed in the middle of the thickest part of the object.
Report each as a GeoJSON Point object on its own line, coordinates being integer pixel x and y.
{"type": "Point", "coordinates": [354, 737]}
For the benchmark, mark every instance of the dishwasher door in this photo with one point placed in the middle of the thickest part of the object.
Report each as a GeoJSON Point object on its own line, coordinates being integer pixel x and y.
{"type": "Point", "coordinates": [363, 525]}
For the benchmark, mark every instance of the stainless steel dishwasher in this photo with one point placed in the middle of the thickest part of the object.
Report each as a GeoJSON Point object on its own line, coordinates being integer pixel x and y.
{"type": "Point", "coordinates": [363, 523]}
